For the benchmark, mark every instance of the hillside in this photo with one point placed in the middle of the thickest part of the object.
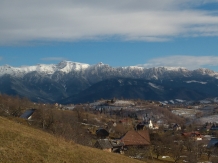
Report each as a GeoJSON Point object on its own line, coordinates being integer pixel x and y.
{"type": "Point", "coordinates": [21, 143]}
{"type": "Point", "coordinates": [127, 88]}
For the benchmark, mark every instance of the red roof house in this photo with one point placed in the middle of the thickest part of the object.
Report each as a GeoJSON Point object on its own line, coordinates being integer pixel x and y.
{"type": "Point", "coordinates": [136, 138]}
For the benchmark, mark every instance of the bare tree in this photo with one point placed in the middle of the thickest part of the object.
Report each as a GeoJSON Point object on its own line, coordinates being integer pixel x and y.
{"type": "Point", "coordinates": [176, 152]}
{"type": "Point", "coordinates": [209, 152]}
{"type": "Point", "coordinates": [79, 112]}
{"type": "Point", "coordinates": [159, 150]}
{"type": "Point", "coordinates": [191, 157]}
{"type": "Point", "coordinates": [189, 144]}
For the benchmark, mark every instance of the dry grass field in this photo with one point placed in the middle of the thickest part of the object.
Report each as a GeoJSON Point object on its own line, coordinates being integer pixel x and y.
{"type": "Point", "coordinates": [21, 143]}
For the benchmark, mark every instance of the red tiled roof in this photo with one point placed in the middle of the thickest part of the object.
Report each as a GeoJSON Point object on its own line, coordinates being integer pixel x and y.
{"type": "Point", "coordinates": [136, 138]}
{"type": "Point", "coordinates": [192, 134]}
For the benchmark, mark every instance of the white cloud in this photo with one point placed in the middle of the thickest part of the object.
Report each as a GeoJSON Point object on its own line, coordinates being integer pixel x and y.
{"type": "Point", "coordinates": [53, 59]}
{"type": "Point", "coordinates": [72, 20]}
{"type": "Point", "coordinates": [189, 62]}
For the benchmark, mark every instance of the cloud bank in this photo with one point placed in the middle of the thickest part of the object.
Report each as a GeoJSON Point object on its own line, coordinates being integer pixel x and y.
{"type": "Point", "coordinates": [189, 62]}
{"type": "Point", "coordinates": [73, 20]}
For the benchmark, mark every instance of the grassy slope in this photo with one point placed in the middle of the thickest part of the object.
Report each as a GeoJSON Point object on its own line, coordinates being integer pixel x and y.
{"type": "Point", "coordinates": [20, 143]}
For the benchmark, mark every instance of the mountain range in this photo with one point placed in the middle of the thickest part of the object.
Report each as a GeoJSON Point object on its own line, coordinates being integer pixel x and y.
{"type": "Point", "coordinates": [72, 82]}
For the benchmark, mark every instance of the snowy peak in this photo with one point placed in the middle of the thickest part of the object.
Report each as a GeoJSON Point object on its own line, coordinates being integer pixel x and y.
{"type": "Point", "coordinates": [205, 71]}
{"type": "Point", "coordinates": [64, 66]}
{"type": "Point", "coordinates": [99, 70]}
{"type": "Point", "coordinates": [175, 68]}
{"type": "Point", "coordinates": [68, 66]}
{"type": "Point", "coordinates": [100, 65]}
{"type": "Point", "coordinates": [20, 71]}
{"type": "Point", "coordinates": [162, 69]}
{"type": "Point", "coordinates": [42, 68]}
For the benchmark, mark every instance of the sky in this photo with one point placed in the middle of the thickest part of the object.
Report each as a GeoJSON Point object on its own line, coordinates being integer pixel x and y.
{"type": "Point", "coordinates": [173, 33]}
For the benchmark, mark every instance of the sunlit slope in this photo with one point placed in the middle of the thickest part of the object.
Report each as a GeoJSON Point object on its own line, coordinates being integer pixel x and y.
{"type": "Point", "coordinates": [20, 143]}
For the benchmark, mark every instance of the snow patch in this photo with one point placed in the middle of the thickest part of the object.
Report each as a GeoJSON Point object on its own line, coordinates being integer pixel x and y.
{"type": "Point", "coordinates": [154, 77]}
{"type": "Point", "coordinates": [194, 81]}
{"type": "Point", "coordinates": [215, 99]}
{"type": "Point", "coordinates": [155, 86]}
{"type": "Point", "coordinates": [172, 101]}
{"type": "Point", "coordinates": [175, 68]}
{"type": "Point", "coordinates": [123, 102]}
{"type": "Point", "coordinates": [179, 100]}
{"type": "Point", "coordinates": [205, 102]}
{"type": "Point", "coordinates": [129, 83]}
{"type": "Point", "coordinates": [212, 119]}
{"type": "Point", "coordinates": [135, 67]}
{"type": "Point", "coordinates": [120, 81]}
{"type": "Point", "coordinates": [163, 103]}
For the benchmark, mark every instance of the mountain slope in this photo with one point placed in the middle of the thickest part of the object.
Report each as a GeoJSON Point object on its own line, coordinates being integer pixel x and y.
{"type": "Point", "coordinates": [147, 89]}
{"type": "Point", "coordinates": [22, 144]}
{"type": "Point", "coordinates": [52, 83]}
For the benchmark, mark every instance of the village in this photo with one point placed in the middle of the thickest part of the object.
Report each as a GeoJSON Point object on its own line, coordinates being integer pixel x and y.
{"type": "Point", "coordinates": [145, 130]}
{"type": "Point", "coordinates": [148, 130]}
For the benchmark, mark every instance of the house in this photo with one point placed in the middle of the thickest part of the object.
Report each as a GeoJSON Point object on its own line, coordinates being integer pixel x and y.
{"type": "Point", "coordinates": [150, 125]}
{"type": "Point", "coordinates": [104, 144]}
{"type": "Point", "coordinates": [211, 126]}
{"type": "Point", "coordinates": [175, 126]}
{"type": "Point", "coordinates": [140, 126]}
{"type": "Point", "coordinates": [118, 146]}
{"type": "Point", "coordinates": [214, 126]}
{"type": "Point", "coordinates": [125, 121]}
{"type": "Point", "coordinates": [208, 126]}
{"type": "Point", "coordinates": [102, 133]}
{"type": "Point", "coordinates": [213, 143]}
{"type": "Point", "coordinates": [110, 145]}
{"type": "Point", "coordinates": [28, 114]}
{"type": "Point", "coordinates": [155, 127]}
{"type": "Point", "coordinates": [136, 138]}
{"type": "Point", "coordinates": [194, 135]}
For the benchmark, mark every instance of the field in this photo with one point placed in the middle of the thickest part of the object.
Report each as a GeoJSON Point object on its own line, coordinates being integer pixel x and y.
{"type": "Point", "coordinates": [212, 118]}
{"type": "Point", "coordinates": [187, 113]}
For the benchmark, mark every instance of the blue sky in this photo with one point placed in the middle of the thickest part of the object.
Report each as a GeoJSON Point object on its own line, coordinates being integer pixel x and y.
{"type": "Point", "coordinates": [181, 33]}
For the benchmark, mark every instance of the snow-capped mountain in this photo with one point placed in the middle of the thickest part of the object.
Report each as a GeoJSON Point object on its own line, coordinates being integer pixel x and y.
{"type": "Point", "coordinates": [64, 66]}
{"type": "Point", "coordinates": [101, 69]}
{"type": "Point", "coordinates": [54, 82]}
